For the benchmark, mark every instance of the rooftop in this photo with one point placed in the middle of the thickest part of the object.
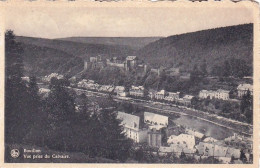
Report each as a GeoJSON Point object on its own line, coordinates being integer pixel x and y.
{"type": "Point", "coordinates": [129, 120]}
{"type": "Point", "coordinates": [245, 86]}
{"type": "Point", "coordinates": [130, 58]}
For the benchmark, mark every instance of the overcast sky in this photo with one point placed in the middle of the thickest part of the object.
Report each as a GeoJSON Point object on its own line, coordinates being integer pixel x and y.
{"type": "Point", "coordinates": [120, 22]}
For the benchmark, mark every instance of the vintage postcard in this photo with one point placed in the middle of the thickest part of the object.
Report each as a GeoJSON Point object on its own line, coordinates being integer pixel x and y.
{"type": "Point", "coordinates": [129, 84]}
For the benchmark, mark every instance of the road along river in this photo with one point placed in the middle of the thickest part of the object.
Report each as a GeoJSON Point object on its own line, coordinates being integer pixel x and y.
{"type": "Point", "coordinates": [208, 124]}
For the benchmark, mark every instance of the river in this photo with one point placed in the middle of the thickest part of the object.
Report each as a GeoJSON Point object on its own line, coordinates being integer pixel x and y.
{"type": "Point", "coordinates": [207, 128]}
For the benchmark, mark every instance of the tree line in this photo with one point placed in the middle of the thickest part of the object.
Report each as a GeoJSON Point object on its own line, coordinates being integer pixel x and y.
{"type": "Point", "coordinates": [53, 122]}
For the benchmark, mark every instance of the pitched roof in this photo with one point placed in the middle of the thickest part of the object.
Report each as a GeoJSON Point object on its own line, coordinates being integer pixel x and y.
{"type": "Point", "coordinates": [217, 150]}
{"type": "Point", "coordinates": [205, 149]}
{"type": "Point", "coordinates": [180, 148]}
{"type": "Point", "coordinates": [157, 127]}
{"type": "Point", "coordinates": [182, 139]}
{"type": "Point", "coordinates": [44, 90]}
{"type": "Point", "coordinates": [223, 91]}
{"type": "Point", "coordinates": [137, 87]}
{"type": "Point", "coordinates": [188, 97]}
{"type": "Point", "coordinates": [245, 86]}
{"type": "Point", "coordinates": [130, 57]}
{"type": "Point", "coordinates": [120, 88]}
{"type": "Point", "coordinates": [195, 133]}
{"type": "Point", "coordinates": [156, 118]}
{"type": "Point", "coordinates": [233, 152]}
{"type": "Point", "coordinates": [220, 151]}
{"type": "Point", "coordinates": [210, 139]}
{"type": "Point", "coordinates": [129, 120]}
{"type": "Point", "coordinates": [161, 92]}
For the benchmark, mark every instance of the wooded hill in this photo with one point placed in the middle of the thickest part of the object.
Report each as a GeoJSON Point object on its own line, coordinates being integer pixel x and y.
{"type": "Point", "coordinates": [214, 46]}
{"type": "Point", "coordinates": [43, 56]}
{"type": "Point", "coordinates": [132, 42]}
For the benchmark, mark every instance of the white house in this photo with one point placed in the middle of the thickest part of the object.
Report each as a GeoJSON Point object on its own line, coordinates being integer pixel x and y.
{"type": "Point", "coordinates": [204, 94]}
{"type": "Point", "coordinates": [44, 92]}
{"type": "Point", "coordinates": [209, 149]}
{"type": "Point", "coordinates": [184, 140]}
{"type": "Point", "coordinates": [120, 91]}
{"type": "Point", "coordinates": [187, 99]}
{"type": "Point", "coordinates": [155, 119]}
{"type": "Point", "coordinates": [137, 91]}
{"type": "Point", "coordinates": [219, 94]}
{"type": "Point", "coordinates": [106, 88]}
{"type": "Point", "coordinates": [47, 78]}
{"type": "Point", "coordinates": [160, 95]}
{"type": "Point", "coordinates": [243, 88]}
{"type": "Point", "coordinates": [222, 94]}
{"type": "Point", "coordinates": [132, 128]}
{"type": "Point", "coordinates": [172, 96]}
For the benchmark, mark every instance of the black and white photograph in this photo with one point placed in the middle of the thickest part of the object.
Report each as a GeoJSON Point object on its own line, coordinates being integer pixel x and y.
{"type": "Point", "coordinates": [130, 85]}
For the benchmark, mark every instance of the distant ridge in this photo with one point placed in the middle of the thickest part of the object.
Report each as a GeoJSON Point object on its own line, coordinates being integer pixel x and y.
{"type": "Point", "coordinates": [132, 42]}
{"type": "Point", "coordinates": [76, 48]}
{"type": "Point", "coordinates": [213, 45]}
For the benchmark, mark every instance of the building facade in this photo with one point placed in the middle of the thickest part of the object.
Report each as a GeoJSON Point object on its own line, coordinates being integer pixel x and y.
{"type": "Point", "coordinates": [219, 94]}
{"type": "Point", "coordinates": [132, 127]}
{"type": "Point", "coordinates": [137, 91]}
{"type": "Point", "coordinates": [154, 138]}
{"type": "Point", "coordinates": [184, 140]}
{"type": "Point", "coordinates": [160, 95]}
{"type": "Point", "coordinates": [242, 89]}
{"type": "Point", "coordinates": [130, 63]}
{"type": "Point", "coordinates": [172, 96]}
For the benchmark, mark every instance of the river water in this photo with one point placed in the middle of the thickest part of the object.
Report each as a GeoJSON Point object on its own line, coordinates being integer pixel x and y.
{"type": "Point", "coordinates": [207, 128]}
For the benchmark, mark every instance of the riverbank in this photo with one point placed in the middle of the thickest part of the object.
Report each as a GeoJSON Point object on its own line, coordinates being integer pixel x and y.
{"type": "Point", "coordinates": [236, 126]}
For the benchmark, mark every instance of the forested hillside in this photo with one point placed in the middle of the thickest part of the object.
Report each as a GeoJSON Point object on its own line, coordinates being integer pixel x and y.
{"type": "Point", "coordinates": [230, 47]}
{"type": "Point", "coordinates": [214, 45]}
{"type": "Point", "coordinates": [84, 50]}
{"type": "Point", "coordinates": [43, 60]}
{"type": "Point", "coordinates": [132, 42]}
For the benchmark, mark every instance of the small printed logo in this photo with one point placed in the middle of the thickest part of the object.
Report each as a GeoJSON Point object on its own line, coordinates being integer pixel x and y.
{"type": "Point", "coordinates": [15, 153]}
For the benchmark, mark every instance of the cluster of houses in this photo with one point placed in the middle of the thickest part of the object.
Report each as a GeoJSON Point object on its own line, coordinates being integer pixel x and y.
{"type": "Point", "coordinates": [146, 130]}
{"type": "Point", "coordinates": [139, 91]}
{"type": "Point", "coordinates": [151, 128]}
{"type": "Point", "coordinates": [242, 89]}
{"type": "Point", "coordinates": [170, 97]}
{"type": "Point", "coordinates": [47, 78]}
{"type": "Point", "coordinates": [136, 91]}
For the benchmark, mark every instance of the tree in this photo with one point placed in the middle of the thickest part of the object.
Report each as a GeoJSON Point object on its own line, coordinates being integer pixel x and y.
{"type": "Point", "coordinates": [17, 118]}
{"type": "Point", "coordinates": [246, 106]}
{"type": "Point", "coordinates": [60, 107]}
{"type": "Point", "coordinates": [60, 104]}
{"type": "Point", "coordinates": [195, 75]}
{"type": "Point", "coordinates": [226, 69]}
{"type": "Point", "coordinates": [39, 123]}
{"type": "Point", "coordinates": [118, 146]}
{"type": "Point", "coordinates": [203, 68]}
{"type": "Point", "coordinates": [243, 156]}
